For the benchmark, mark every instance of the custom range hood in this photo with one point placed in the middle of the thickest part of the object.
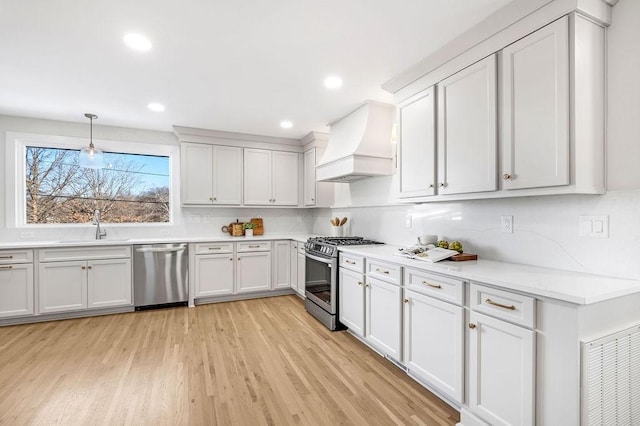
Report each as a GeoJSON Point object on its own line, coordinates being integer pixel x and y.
{"type": "Point", "coordinates": [359, 145]}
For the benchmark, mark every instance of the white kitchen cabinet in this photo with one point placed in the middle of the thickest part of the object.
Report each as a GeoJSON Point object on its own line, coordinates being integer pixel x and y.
{"type": "Point", "coordinates": [16, 290]}
{"type": "Point", "coordinates": [214, 274]}
{"type": "Point", "coordinates": [253, 272]}
{"type": "Point", "coordinates": [62, 286]}
{"type": "Point", "coordinates": [352, 301]}
{"type": "Point", "coordinates": [108, 283]}
{"type": "Point", "coordinates": [501, 371]}
{"type": "Point", "coordinates": [302, 261]}
{"type": "Point", "coordinates": [417, 146]}
{"type": "Point", "coordinates": [433, 343]}
{"type": "Point", "coordinates": [535, 114]}
{"type": "Point", "coordinates": [467, 142]}
{"type": "Point", "coordinates": [315, 194]}
{"type": "Point", "coordinates": [293, 262]}
{"type": "Point", "coordinates": [270, 177]}
{"type": "Point", "coordinates": [281, 264]}
{"type": "Point", "coordinates": [211, 174]}
{"type": "Point", "coordinates": [383, 308]}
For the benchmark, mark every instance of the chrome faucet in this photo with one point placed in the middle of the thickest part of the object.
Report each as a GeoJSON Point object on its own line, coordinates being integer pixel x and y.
{"type": "Point", "coordinates": [100, 233]}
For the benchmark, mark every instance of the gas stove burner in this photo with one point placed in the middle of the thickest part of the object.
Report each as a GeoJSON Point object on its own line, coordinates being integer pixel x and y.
{"type": "Point", "coordinates": [328, 246]}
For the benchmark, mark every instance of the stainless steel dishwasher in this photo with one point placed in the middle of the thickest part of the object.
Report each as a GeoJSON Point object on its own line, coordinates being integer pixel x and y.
{"type": "Point", "coordinates": [160, 275]}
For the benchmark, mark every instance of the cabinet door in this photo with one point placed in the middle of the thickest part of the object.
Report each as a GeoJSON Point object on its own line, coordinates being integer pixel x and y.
{"type": "Point", "coordinates": [293, 256]}
{"type": "Point", "coordinates": [257, 177]}
{"type": "Point", "coordinates": [62, 286]}
{"type": "Point", "coordinates": [227, 175]}
{"type": "Point", "coordinates": [351, 300]}
{"type": "Point", "coordinates": [16, 290]}
{"type": "Point", "coordinates": [196, 172]}
{"type": "Point", "coordinates": [535, 115]}
{"type": "Point", "coordinates": [501, 371]}
{"type": "Point", "coordinates": [310, 177]}
{"type": "Point", "coordinates": [285, 178]}
{"type": "Point", "coordinates": [383, 308]}
{"type": "Point", "coordinates": [301, 273]}
{"type": "Point", "coordinates": [433, 336]}
{"type": "Point", "coordinates": [417, 147]}
{"type": "Point", "coordinates": [109, 283]}
{"type": "Point", "coordinates": [253, 272]}
{"type": "Point", "coordinates": [281, 264]}
{"type": "Point", "coordinates": [214, 275]}
{"type": "Point", "coordinates": [467, 127]}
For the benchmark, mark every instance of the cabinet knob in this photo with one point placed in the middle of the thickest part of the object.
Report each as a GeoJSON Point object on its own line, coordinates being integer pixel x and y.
{"type": "Point", "coordinates": [89, 267]}
{"type": "Point", "coordinates": [231, 259]}
{"type": "Point", "coordinates": [472, 325]}
{"type": "Point", "coordinates": [360, 283]}
{"type": "Point", "coordinates": [215, 198]}
{"type": "Point", "coordinates": [406, 300]}
{"type": "Point", "coordinates": [313, 199]}
{"type": "Point", "coordinates": [443, 184]}
{"type": "Point", "coordinates": [210, 198]}
{"type": "Point", "coordinates": [506, 176]}
{"type": "Point", "coordinates": [84, 267]}
{"type": "Point", "coordinates": [430, 185]}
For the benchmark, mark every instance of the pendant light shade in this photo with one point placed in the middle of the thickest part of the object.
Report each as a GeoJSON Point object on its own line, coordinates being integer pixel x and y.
{"type": "Point", "coordinates": [91, 157]}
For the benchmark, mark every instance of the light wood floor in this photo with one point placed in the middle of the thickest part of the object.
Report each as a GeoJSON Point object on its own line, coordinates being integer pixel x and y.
{"type": "Point", "coordinates": [262, 361]}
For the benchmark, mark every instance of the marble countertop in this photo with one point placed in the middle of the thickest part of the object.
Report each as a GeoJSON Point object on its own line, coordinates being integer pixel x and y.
{"type": "Point", "coordinates": [574, 287]}
{"type": "Point", "coordinates": [159, 240]}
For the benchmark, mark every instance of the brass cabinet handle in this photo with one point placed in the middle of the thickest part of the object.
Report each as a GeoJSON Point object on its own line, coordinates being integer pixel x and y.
{"type": "Point", "coordinates": [506, 176]}
{"type": "Point", "coordinates": [431, 285]}
{"type": "Point", "coordinates": [472, 325]}
{"type": "Point", "coordinates": [406, 300]}
{"type": "Point", "coordinates": [89, 267]}
{"type": "Point", "coordinates": [215, 248]}
{"type": "Point", "coordinates": [84, 267]}
{"type": "Point", "coordinates": [351, 262]}
{"type": "Point", "coordinates": [6, 267]}
{"type": "Point", "coordinates": [500, 305]}
{"type": "Point", "coordinates": [6, 257]}
{"type": "Point", "coordinates": [254, 246]}
{"type": "Point", "coordinates": [382, 271]}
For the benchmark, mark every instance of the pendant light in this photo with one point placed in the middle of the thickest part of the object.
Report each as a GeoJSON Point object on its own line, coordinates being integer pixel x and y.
{"type": "Point", "coordinates": [91, 157]}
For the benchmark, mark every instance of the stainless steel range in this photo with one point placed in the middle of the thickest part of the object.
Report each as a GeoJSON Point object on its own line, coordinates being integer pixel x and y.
{"type": "Point", "coordinates": [321, 276]}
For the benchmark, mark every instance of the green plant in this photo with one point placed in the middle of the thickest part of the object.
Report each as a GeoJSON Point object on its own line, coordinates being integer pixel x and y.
{"type": "Point", "coordinates": [248, 225]}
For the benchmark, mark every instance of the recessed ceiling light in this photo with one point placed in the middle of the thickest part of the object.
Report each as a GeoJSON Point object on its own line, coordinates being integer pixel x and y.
{"type": "Point", "coordinates": [137, 42]}
{"type": "Point", "coordinates": [154, 106]}
{"type": "Point", "coordinates": [332, 82]}
{"type": "Point", "coordinates": [286, 124]}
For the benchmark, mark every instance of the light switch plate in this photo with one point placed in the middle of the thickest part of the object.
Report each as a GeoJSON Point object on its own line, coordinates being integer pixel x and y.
{"type": "Point", "coordinates": [506, 224]}
{"type": "Point", "coordinates": [594, 226]}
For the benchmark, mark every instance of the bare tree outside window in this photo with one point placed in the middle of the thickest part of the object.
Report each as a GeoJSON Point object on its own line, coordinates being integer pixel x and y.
{"type": "Point", "coordinates": [131, 189]}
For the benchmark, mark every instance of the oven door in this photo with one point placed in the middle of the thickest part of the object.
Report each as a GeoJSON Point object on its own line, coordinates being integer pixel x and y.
{"type": "Point", "coordinates": [320, 283]}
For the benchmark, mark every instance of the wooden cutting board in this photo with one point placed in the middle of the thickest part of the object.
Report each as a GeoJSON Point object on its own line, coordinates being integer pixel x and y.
{"type": "Point", "coordinates": [463, 256]}
{"type": "Point", "coordinates": [258, 229]}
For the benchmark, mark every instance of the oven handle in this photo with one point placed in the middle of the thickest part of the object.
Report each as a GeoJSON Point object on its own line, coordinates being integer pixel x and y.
{"type": "Point", "coordinates": [329, 262]}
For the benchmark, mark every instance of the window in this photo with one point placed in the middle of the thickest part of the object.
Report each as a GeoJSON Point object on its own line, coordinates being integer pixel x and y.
{"type": "Point", "coordinates": [132, 188]}
{"type": "Point", "coordinates": [141, 187]}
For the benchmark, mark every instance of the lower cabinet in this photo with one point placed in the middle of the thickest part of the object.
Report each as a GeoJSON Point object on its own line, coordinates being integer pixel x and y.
{"type": "Point", "coordinates": [76, 285]}
{"type": "Point", "coordinates": [16, 290]}
{"type": "Point", "coordinates": [281, 264]}
{"type": "Point", "coordinates": [383, 308]}
{"type": "Point", "coordinates": [351, 300]}
{"type": "Point", "coordinates": [301, 270]}
{"type": "Point", "coordinates": [214, 274]}
{"type": "Point", "coordinates": [293, 262]}
{"type": "Point", "coordinates": [433, 343]}
{"type": "Point", "coordinates": [253, 272]}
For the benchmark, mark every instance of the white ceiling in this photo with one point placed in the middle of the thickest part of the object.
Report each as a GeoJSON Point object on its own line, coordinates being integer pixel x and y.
{"type": "Point", "coordinates": [240, 66]}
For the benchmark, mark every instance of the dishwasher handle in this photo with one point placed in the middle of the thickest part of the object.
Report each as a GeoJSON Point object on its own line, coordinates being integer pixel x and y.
{"type": "Point", "coordinates": [160, 250]}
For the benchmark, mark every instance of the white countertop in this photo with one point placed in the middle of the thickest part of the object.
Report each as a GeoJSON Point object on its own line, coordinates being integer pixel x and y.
{"type": "Point", "coordinates": [160, 240]}
{"type": "Point", "coordinates": [575, 287]}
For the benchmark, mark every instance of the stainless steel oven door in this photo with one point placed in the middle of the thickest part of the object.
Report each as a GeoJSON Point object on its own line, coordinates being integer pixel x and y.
{"type": "Point", "coordinates": [320, 283]}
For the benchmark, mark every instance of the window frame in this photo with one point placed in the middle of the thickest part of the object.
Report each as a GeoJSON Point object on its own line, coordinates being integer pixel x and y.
{"type": "Point", "coordinates": [16, 169]}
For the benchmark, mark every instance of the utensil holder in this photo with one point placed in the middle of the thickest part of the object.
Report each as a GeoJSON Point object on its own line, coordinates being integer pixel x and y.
{"type": "Point", "coordinates": [337, 231]}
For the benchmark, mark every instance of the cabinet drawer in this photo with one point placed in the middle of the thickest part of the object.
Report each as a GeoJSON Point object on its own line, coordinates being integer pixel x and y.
{"type": "Point", "coordinates": [505, 305]}
{"type": "Point", "coordinates": [214, 248]}
{"type": "Point", "coordinates": [354, 263]}
{"type": "Point", "coordinates": [246, 246]}
{"type": "Point", "coordinates": [443, 288]}
{"type": "Point", "coordinates": [388, 272]}
{"type": "Point", "coordinates": [83, 253]}
{"type": "Point", "coordinates": [15, 256]}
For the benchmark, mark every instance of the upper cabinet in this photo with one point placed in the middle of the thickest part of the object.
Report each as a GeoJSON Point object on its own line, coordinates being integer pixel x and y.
{"type": "Point", "coordinates": [546, 104]}
{"type": "Point", "coordinates": [417, 145]}
{"type": "Point", "coordinates": [535, 114]}
{"type": "Point", "coordinates": [211, 174]}
{"type": "Point", "coordinates": [270, 177]}
{"type": "Point", "coordinates": [315, 194]}
{"type": "Point", "coordinates": [467, 127]}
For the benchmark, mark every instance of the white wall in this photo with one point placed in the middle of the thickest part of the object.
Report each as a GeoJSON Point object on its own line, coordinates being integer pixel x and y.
{"type": "Point", "coordinates": [187, 222]}
{"type": "Point", "coordinates": [545, 228]}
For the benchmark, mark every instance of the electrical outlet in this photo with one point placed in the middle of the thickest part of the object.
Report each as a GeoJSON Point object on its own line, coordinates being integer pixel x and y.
{"type": "Point", "coordinates": [507, 224]}
{"type": "Point", "coordinates": [594, 226]}
{"type": "Point", "coordinates": [26, 234]}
